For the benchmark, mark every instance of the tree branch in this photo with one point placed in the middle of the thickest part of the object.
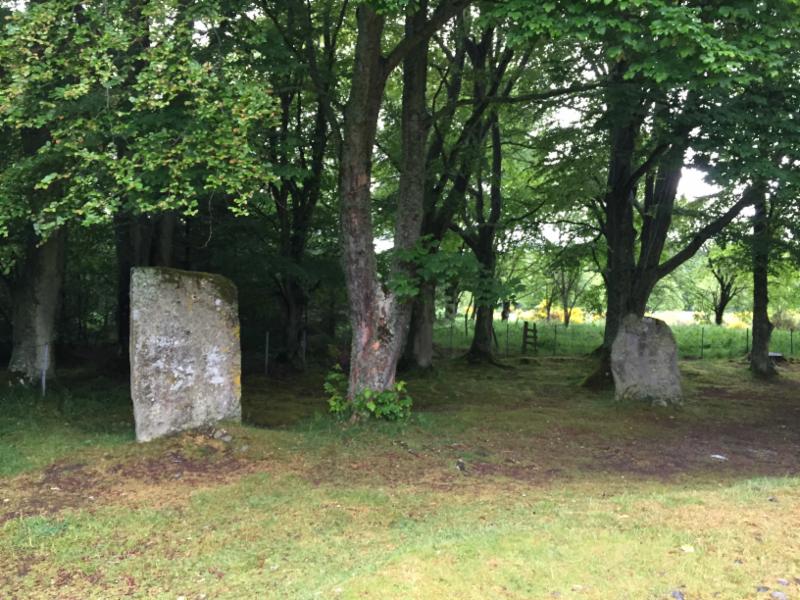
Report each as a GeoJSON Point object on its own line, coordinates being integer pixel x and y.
{"type": "Point", "coordinates": [704, 235]}
{"type": "Point", "coordinates": [443, 13]}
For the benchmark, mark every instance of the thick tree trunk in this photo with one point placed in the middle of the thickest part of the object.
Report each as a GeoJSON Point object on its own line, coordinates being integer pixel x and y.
{"type": "Point", "coordinates": [370, 364]}
{"type": "Point", "coordinates": [619, 230]}
{"type": "Point", "coordinates": [379, 319]}
{"type": "Point", "coordinates": [35, 296]}
{"type": "Point", "coordinates": [760, 362]}
{"type": "Point", "coordinates": [483, 338]}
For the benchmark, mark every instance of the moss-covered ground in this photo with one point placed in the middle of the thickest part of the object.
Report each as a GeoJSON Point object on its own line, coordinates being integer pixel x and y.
{"type": "Point", "coordinates": [504, 484]}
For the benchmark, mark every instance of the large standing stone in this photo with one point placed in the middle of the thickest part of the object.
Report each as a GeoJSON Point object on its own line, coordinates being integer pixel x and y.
{"type": "Point", "coordinates": [644, 362]}
{"type": "Point", "coordinates": [184, 348]}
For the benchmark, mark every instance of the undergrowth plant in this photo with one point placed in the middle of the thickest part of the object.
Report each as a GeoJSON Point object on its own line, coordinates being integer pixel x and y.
{"type": "Point", "coordinates": [389, 405]}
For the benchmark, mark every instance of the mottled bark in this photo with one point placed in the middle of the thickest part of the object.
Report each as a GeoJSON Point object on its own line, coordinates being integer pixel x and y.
{"type": "Point", "coordinates": [36, 293]}
{"type": "Point", "coordinates": [379, 319]}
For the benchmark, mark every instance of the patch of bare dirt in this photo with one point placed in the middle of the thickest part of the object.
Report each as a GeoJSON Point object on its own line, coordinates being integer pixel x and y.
{"type": "Point", "coordinates": [175, 465]}
{"type": "Point", "coordinates": [74, 485]}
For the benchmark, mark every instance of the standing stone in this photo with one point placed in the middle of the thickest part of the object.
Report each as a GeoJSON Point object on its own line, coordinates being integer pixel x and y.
{"type": "Point", "coordinates": [644, 362]}
{"type": "Point", "coordinates": [184, 349]}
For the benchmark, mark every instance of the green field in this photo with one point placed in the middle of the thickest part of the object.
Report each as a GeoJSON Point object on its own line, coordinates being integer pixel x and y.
{"type": "Point", "coordinates": [582, 338]}
{"type": "Point", "coordinates": [563, 494]}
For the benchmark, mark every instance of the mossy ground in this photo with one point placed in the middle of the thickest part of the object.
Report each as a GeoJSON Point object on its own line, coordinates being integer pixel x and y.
{"type": "Point", "coordinates": [563, 493]}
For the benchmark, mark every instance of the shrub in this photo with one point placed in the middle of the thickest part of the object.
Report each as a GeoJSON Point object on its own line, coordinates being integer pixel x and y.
{"type": "Point", "coordinates": [389, 405]}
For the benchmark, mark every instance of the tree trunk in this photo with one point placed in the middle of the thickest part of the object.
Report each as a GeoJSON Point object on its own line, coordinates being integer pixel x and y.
{"type": "Point", "coordinates": [451, 294]}
{"type": "Point", "coordinates": [726, 283]}
{"type": "Point", "coordinates": [35, 296]}
{"type": "Point", "coordinates": [548, 307]}
{"type": "Point", "coordinates": [726, 294]}
{"type": "Point", "coordinates": [419, 349]}
{"type": "Point", "coordinates": [379, 319]}
{"type": "Point", "coordinates": [760, 362]}
{"type": "Point", "coordinates": [165, 239]}
{"type": "Point", "coordinates": [483, 338]}
{"type": "Point", "coordinates": [295, 304]}
{"type": "Point", "coordinates": [506, 310]}
{"type": "Point", "coordinates": [483, 246]}
{"type": "Point", "coordinates": [619, 230]}
{"type": "Point", "coordinates": [370, 365]}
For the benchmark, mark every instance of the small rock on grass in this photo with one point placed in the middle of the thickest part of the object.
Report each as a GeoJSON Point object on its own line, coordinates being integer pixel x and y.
{"type": "Point", "coordinates": [677, 595]}
{"type": "Point", "coordinates": [779, 596]}
{"type": "Point", "coordinates": [761, 589]}
{"type": "Point", "coordinates": [783, 581]}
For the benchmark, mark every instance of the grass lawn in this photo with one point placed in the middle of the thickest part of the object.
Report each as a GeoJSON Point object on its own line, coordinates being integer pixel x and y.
{"type": "Point", "coordinates": [564, 493]}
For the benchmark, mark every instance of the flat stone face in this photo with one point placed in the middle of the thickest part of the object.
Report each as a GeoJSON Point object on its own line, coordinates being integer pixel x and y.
{"type": "Point", "coordinates": [644, 362]}
{"type": "Point", "coordinates": [184, 351]}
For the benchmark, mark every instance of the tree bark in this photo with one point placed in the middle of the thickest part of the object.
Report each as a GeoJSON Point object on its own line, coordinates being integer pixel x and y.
{"type": "Point", "coordinates": [379, 318]}
{"type": "Point", "coordinates": [483, 245]}
{"type": "Point", "coordinates": [760, 362]}
{"type": "Point", "coordinates": [619, 200]}
{"type": "Point", "coordinates": [727, 292]}
{"type": "Point", "coordinates": [36, 294]}
{"type": "Point", "coordinates": [483, 337]}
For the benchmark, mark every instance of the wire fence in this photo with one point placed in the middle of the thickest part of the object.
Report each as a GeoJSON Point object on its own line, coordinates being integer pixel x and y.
{"type": "Point", "coordinates": [553, 339]}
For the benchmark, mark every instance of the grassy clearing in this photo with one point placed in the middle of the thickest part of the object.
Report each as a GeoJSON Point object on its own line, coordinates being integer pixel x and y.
{"type": "Point", "coordinates": [564, 494]}
{"type": "Point", "coordinates": [582, 338]}
{"type": "Point", "coordinates": [79, 413]}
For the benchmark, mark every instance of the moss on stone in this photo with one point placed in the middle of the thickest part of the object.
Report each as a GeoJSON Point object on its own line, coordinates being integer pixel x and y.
{"type": "Point", "coordinates": [224, 286]}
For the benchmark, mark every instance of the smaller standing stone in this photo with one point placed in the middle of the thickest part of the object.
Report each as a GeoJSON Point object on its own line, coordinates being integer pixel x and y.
{"type": "Point", "coordinates": [644, 362]}
{"type": "Point", "coordinates": [184, 349]}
